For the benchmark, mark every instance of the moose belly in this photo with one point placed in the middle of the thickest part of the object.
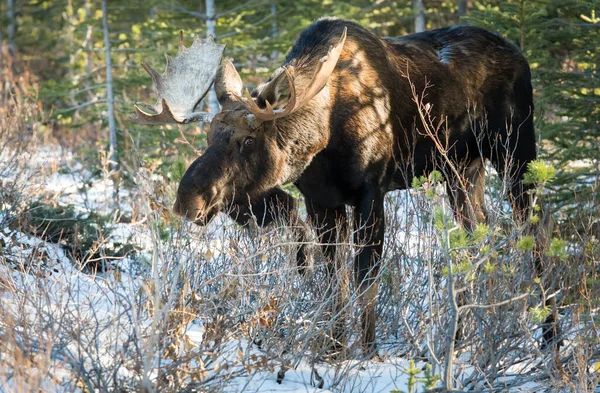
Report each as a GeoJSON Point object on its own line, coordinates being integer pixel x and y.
{"type": "Point", "coordinates": [332, 180]}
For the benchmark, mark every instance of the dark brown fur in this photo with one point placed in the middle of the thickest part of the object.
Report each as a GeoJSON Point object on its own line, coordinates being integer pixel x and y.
{"type": "Point", "coordinates": [361, 137]}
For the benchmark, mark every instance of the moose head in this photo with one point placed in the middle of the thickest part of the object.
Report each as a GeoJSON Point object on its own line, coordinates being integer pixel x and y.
{"type": "Point", "coordinates": [254, 143]}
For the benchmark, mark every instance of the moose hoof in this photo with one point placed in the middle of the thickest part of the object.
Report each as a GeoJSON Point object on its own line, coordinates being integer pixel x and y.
{"type": "Point", "coordinates": [551, 337]}
{"type": "Point", "coordinates": [371, 352]}
{"type": "Point", "coordinates": [333, 351]}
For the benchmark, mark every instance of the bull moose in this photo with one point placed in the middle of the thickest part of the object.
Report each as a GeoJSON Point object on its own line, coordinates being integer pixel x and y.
{"type": "Point", "coordinates": [343, 119]}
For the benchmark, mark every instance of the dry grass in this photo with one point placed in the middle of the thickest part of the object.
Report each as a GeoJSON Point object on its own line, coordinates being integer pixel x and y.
{"type": "Point", "coordinates": [202, 309]}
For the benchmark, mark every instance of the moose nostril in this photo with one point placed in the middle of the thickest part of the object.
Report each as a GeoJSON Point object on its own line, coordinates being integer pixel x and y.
{"type": "Point", "coordinates": [194, 207]}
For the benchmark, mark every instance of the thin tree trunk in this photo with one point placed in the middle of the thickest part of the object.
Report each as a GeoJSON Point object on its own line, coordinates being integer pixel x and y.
{"type": "Point", "coordinates": [112, 127]}
{"type": "Point", "coordinates": [522, 25]}
{"type": "Point", "coordinates": [70, 29]}
{"type": "Point", "coordinates": [419, 15]}
{"type": "Point", "coordinates": [213, 104]}
{"type": "Point", "coordinates": [274, 31]}
{"type": "Point", "coordinates": [463, 6]}
{"type": "Point", "coordinates": [11, 34]}
{"type": "Point", "coordinates": [1, 47]}
{"type": "Point", "coordinates": [273, 19]}
{"type": "Point", "coordinates": [88, 43]}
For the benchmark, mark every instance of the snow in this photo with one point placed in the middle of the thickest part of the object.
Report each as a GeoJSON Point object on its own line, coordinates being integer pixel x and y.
{"type": "Point", "coordinates": [91, 318]}
{"type": "Point", "coordinates": [58, 289]}
{"type": "Point", "coordinates": [103, 301]}
{"type": "Point", "coordinates": [360, 377]}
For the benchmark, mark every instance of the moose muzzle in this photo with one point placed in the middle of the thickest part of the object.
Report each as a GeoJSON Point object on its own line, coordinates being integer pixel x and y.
{"type": "Point", "coordinates": [199, 195]}
{"type": "Point", "coordinates": [199, 208]}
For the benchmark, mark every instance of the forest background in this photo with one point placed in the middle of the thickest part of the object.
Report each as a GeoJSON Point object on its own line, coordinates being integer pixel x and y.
{"type": "Point", "coordinates": [63, 45]}
{"type": "Point", "coordinates": [142, 301]}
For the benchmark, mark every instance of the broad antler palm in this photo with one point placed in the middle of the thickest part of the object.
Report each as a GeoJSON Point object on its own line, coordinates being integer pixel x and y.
{"type": "Point", "coordinates": [186, 80]}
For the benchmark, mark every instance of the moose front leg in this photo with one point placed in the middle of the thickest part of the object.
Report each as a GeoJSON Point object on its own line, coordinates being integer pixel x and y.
{"type": "Point", "coordinates": [275, 205]}
{"type": "Point", "coordinates": [369, 226]}
{"type": "Point", "coordinates": [331, 225]}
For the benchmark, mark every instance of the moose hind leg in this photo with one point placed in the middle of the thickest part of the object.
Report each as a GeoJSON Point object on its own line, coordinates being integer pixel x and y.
{"type": "Point", "coordinates": [511, 159]}
{"type": "Point", "coordinates": [468, 204]}
{"type": "Point", "coordinates": [551, 331]}
{"type": "Point", "coordinates": [467, 194]}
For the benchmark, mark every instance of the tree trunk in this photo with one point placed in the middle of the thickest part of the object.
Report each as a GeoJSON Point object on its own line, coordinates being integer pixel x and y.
{"type": "Point", "coordinates": [112, 127]}
{"type": "Point", "coordinates": [273, 19]}
{"type": "Point", "coordinates": [463, 6]}
{"type": "Point", "coordinates": [213, 104]}
{"type": "Point", "coordinates": [88, 43]}
{"type": "Point", "coordinates": [1, 47]}
{"type": "Point", "coordinates": [274, 31]}
{"type": "Point", "coordinates": [70, 30]}
{"type": "Point", "coordinates": [11, 34]}
{"type": "Point", "coordinates": [419, 15]}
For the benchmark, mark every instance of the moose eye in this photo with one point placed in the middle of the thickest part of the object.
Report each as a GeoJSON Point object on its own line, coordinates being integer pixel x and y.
{"type": "Point", "coordinates": [249, 141]}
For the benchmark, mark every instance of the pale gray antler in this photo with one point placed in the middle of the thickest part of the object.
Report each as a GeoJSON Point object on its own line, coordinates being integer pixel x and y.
{"type": "Point", "coordinates": [186, 80]}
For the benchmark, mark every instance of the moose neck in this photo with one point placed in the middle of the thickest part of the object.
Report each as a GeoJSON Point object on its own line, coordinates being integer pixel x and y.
{"type": "Point", "coordinates": [303, 135]}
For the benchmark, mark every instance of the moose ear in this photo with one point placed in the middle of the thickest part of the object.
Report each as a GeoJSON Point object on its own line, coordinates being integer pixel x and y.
{"type": "Point", "coordinates": [276, 90]}
{"type": "Point", "coordinates": [227, 82]}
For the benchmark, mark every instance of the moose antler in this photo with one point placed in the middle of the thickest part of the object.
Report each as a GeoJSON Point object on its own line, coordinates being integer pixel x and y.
{"type": "Point", "coordinates": [318, 81]}
{"type": "Point", "coordinates": [184, 83]}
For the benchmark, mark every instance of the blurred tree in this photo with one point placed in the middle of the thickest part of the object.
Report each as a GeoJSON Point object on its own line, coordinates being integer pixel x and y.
{"type": "Point", "coordinates": [463, 6]}
{"type": "Point", "coordinates": [11, 33]}
{"type": "Point", "coordinates": [112, 126]}
{"type": "Point", "coordinates": [213, 104]}
{"type": "Point", "coordinates": [11, 26]}
{"type": "Point", "coordinates": [560, 39]}
{"type": "Point", "coordinates": [419, 16]}
{"type": "Point", "coordinates": [62, 43]}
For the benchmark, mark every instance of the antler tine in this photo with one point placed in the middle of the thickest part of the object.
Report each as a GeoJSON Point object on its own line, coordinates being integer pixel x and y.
{"type": "Point", "coordinates": [155, 75]}
{"type": "Point", "coordinates": [250, 105]}
{"type": "Point", "coordinates": [181, 46]}
{"type": "Point", "coordinates": [186, 80]}
{"type": "Point", "coordinates": [167, 115]}
{"type": "Point", "coordinates": [143, 117]}
{"type": "Point", "coordinates": [323, 72]}
{"type": "Point", "coordinates": [291, 105]}
{"type": "Point", "coordinates": [318, 81]}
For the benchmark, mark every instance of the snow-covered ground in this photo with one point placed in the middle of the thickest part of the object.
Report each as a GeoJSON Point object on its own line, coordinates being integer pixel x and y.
{"type": "Point", "coordinates": [66, 329]}
{"type": "Point", "coordinates": [41, 284]}
{"type": "Point", "coordinates": [102, 304]}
